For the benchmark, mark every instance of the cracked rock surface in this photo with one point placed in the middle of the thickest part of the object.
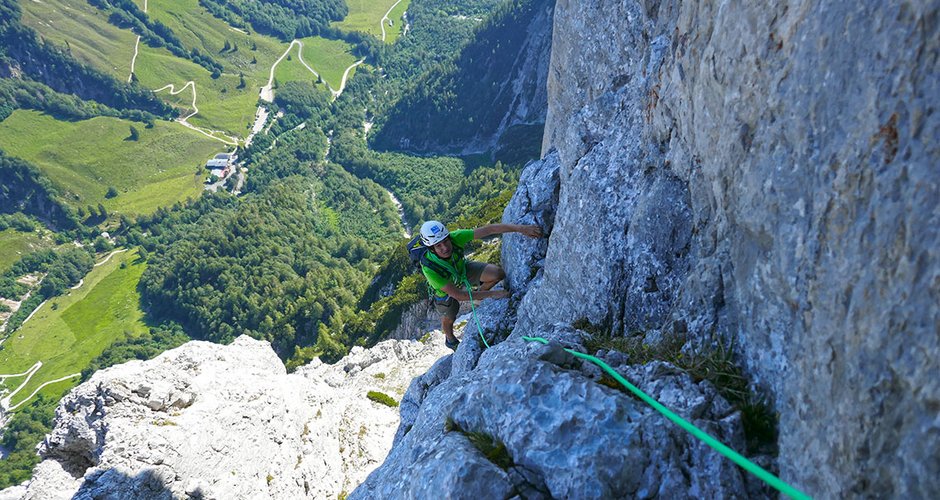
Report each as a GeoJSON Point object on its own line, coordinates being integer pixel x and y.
{"type": "Point", "coordinates": [565, 435]}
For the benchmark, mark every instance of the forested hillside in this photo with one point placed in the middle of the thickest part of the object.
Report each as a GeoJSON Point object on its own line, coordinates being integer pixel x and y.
{"type": "Point", "coordinates": [468, 103]}
{"type": "Point", "coordinates": [306, 251]}
{"type": "Point", "coordinates": [24, 189]}
{"type": "Point", "coordinates": [281, 18]}
{"type": "Point", "coordinates": [274, 265]}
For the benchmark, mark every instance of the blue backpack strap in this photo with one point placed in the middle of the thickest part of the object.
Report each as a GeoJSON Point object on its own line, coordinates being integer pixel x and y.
{"type": "Point", "coordinates": [416, 250]}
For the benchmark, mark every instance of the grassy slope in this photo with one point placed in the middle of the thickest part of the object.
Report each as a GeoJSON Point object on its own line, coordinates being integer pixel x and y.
{"type": "Point", "coordinates": [365, 15]}
{"type": "Point", "coordinates": [222, 105]}
{"type": "Point", "coordinates": [91, 38]}
{"type": "Point", "coordinates": [393, 32]}
{"type": "Point", "coordinates": [86, 322]}
{"type": "Point", "coordinates": [110, 49]}
{"type": "Point", "coordinates": [233, 109]}
{"type": "Point", "coordinates": [86, 157]}
{"type": "Point", "coordinates": [14, 244]}
{"type": "Point", "coordinates": [330, 58]}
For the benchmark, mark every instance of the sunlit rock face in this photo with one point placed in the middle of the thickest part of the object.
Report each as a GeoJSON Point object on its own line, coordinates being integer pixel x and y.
{"type": "Point", "coordinates": [767, 174]}
{"type": "Point", "coordinates": [762, 175]}
{"type": "Point", "coordinates": [227, 422]}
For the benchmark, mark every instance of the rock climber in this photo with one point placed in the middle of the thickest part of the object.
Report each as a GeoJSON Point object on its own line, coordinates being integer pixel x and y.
{"type": "Point", "coordinates": [448, 272]}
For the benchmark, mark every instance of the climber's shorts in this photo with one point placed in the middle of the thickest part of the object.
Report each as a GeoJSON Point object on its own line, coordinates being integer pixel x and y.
{"type": "Point", "coordinates": [447, 305]}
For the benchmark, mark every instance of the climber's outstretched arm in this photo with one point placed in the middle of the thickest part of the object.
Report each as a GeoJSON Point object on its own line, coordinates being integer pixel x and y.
{"type": "Point", "coordinates": [531, 231]}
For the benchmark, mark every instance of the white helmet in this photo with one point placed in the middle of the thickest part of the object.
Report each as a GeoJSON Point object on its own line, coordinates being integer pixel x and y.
{"type": "Point", "coordinates": [433, 232]}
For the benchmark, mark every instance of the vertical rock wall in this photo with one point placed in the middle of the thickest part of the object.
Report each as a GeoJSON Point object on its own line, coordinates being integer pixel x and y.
{"type": "Point", "coordinates": [768, 174]}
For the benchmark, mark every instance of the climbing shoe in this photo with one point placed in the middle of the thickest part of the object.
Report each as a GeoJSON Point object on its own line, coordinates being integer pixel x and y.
{"type": "Point", "coordinates": [452, 345]}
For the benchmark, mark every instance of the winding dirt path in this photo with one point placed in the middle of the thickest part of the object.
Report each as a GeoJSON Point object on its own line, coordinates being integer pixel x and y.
{"type": "Point", "coordinates": [342, 84]}
{"type": "Point", "coordinates": [136, 46]}
{"type": "Point", "coordinates": [385, 18]}
{"type": "Point", "coordinates": [300, 56]}
{"type": "Point", "coordinates": [134, 59]}
{"type": "Point", "coordinates": [231, 141]}
{"type": "Point", "coordinates": [173, 91]}
{"type": "Point", "coordinates": [267, 92]}
{"type": "Point", "coordinates": [6, 401]}
{"type": "Point", "coordinates": [27, 372]}
{"type": "Point", "coordinates": [106, 259]}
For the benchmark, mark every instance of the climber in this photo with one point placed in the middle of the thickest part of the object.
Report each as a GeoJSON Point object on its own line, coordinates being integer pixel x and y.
{"type": "Point", "coordinates": [448, 272]}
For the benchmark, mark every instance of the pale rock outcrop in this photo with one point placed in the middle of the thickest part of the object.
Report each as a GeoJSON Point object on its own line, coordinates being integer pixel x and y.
{"type": "Point", "coordinates": [212, 421]}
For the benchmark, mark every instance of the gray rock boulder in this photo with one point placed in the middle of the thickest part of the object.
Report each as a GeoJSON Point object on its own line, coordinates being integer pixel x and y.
{"type": "Point", "coordinates": [212, 421]}
{"type": "Point", "coordinates": [534, 202]}
{"type": "Point", "coordinates": [564, 435]}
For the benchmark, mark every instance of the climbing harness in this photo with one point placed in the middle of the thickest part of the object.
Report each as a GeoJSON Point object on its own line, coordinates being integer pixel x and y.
{"type": "Point", "coordinates": [718, 446]}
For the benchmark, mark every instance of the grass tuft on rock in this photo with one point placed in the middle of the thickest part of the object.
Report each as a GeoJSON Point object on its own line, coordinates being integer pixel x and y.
{"type": "Point", "coordinates": [715, 365]}
{"type": "Point", "coordinates": [382, 398]}
{"type": "Point", "coordinates": [490, 446]}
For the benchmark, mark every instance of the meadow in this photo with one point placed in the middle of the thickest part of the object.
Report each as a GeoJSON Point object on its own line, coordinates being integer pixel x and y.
{"type": "Point", "coordinates": [67, 332]}
{"type": "Point", "coordinates": [365, 16]}
{"type": "Point", "coordinates": [226, 104]}
{"type": "Point", "coordinates": [329, 58]}
{"type": "Point", "coordinates": [85, 31]}
{"type": "Point", "coordinates": [84, 158]}
{"type": "Point", "coordinates": [14, 244]}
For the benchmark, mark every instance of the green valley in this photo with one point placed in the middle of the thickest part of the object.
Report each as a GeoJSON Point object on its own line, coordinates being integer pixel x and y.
{"type": "Point", "coordinates": [304, 250]}
{"type": "Point", "coordinates": [67, 332]}
{"type": "Point", "coordinates": [85, 158]}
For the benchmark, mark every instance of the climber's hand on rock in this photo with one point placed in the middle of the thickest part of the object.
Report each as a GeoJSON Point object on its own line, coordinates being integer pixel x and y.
{"type": "Point", "coordinates": [531, 231]}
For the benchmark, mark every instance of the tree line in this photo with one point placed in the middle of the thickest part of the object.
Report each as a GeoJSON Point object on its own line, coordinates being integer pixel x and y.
{"type": "Point", "coordinates": [283, 19]}
{"type": "Point", "coordinates": [24, 189]}
{"type": "Point", "coordinates": [17, 93]}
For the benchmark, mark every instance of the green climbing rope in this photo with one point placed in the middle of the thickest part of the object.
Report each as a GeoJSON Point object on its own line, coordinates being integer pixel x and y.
{"type": "Point", "coordinates": [718, 446]}
{"type": "Point", "coordinates": [474, 311]}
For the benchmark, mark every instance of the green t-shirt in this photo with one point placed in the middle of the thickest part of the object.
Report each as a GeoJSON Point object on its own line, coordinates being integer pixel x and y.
{"type": "Point", "coordinates": [459, 238]}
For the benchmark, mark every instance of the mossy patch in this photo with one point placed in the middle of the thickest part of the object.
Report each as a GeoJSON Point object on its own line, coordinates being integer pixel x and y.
{"type": "Point", "coordinates": [490, 446]}
{"type": "Point", "coordinates": [382, 398]}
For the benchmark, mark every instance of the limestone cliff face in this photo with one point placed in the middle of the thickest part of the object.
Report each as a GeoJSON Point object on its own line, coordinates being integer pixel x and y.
{"type": "Point", "coordinates": [769, 173]}
{"type": "Point", "coordinates": [760, 174]}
